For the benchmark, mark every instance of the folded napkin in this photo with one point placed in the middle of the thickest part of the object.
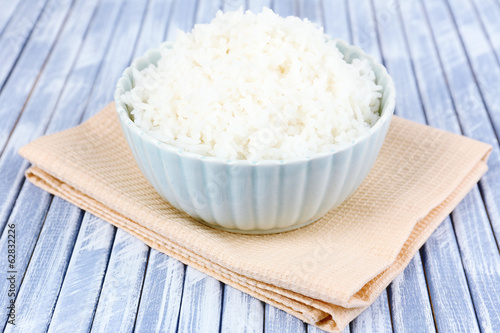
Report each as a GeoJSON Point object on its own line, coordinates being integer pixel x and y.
{"type": "Point", "coordinates": [325, 273]}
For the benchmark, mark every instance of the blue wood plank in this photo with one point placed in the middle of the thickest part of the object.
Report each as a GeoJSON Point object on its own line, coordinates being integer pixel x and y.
{"type": "Point", "coordinates": [155, 26]}
{"type": "Point", "coordinates": [454, 289]}
{"type": "Point", "coordinates": [241, 312]}
{"type": "Point", "coordinates": [374, 319]}
{"type": "Point", "coordinates": [410, 304]}
{"type": "Point", "coordinates": [489, 12]}
{"type": "Point", "coordinates": [38, 108]}
{"type": "Point", "coordinates": [82, 284]}
{"type": "Point", "coordinates": [206, 11]}
{"type": "Point", "coordinates": [8, 8]}
{"type": "Point", "coordinates": [16, 32]}
{"type": "Point", "coordinates": [277, 321]}
{"type": "Point", "coordinates": [447, 283]}
{"type": "Point", "coordinates": [486, 71]}
{"type": "Point", "coordinates": [119, 299]}
{"type": "Point", "coordinates": [26, 219]}
{"type": "Point", "coordinates": [232, 5]}
{"type": "Point", "coordinates": [161, 294]}
{"type": "Point", "coordinates": [256, 6]}
{"type": "Point", "coordinates": [201, 303]}
{"type": "Point", "coordinates": [428, 60]}
{"type": "Point", "coordinates": [42, 281]}
{"type": "Point", "coordinates": [363, 27]}
{"type": "Point", "coordinates": [311, 10]}
{"type": "Point", "coordinates": [336, 19]}
{"type": "Point", "coordinates": [182, 18]}
{"type": "Point", "coordinates": [284, 7]}
{"type": "Point", "coordinates": [118, 58]}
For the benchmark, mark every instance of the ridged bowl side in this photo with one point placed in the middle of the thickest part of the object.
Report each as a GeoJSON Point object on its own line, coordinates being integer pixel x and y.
{"type": "Point", "coordinates": [255, 197]}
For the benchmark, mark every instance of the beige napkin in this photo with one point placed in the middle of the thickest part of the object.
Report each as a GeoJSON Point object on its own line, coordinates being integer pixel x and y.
{"type": "Point", "coordinates": [326, 273]}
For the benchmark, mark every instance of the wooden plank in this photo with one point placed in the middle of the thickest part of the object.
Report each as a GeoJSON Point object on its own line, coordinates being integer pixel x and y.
{"type": "Point", "coordinates": [447, 283]}
{"type": "Point", "coordinates": [160, 303]}
{"type": "Point", "coordinates": [374, 319]}
{"type": "Point", "coordinates": [162, 287]}
{"type": "Point", "coordinates": [206, 11]}
{"type": "Point", "coordinates": [82, 284]}
{"type": "Point", "coordinates": [486, 71]}
{"type": "Point", "coordinates": [256, 6]}
{"type": "Point", "coordinates": [410, 304]}
{"type": "Point", "coordinates": [284, 7]}
{"type": "Point", "coordinates": [16, 33]}
{"type": "Point", "coordinates": [241, 312]}
{"type": "Point", "coordinates": [489, 12]}
{"type": "Point", "coordinates": [119, 299]}
{"type": "Point", "coordinates": [450, 287]}
{"type": "Point", "coordinates": [232, 5]}
{"type": "Point", "coordinates": [277, 321]}
{"type": "Point", "coordinates": [311, 10]}
{"type": "Point", "coordinates": [363, 29]}
{"type": "Point", "coordinates": [427, 61]}
{"type": "Point", "coordinates": [17, 89]}
{"type": "Point", "coordinates": [45, 273]}
{"type": "Point", "coordinates": [39, 107]}
{"type": "Point", "coordinates": [201, 303]}
{"type": "Point", "coordinates": [336, 19]}
{"type": "Point", "coordinates": [8, 8]}
{"type": "Point", "coordinates": [182, 18]}
{"type": "Point", "coordinates": [26, 220]}
{"type": "Point", "coordinates": [314, 329]}
{"type": "Point", "coordinates": [154, 27]}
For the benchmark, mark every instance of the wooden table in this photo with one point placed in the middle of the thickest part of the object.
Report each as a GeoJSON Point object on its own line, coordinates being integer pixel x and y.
{"type": "Point", "coordinates": [59, 62]}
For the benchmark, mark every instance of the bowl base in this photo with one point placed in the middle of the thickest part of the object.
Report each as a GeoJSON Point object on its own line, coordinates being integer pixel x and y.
{"type": "Point", "coordinates": [259, 231]}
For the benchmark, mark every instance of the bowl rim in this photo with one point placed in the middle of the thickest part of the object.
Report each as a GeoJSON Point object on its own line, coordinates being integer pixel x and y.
{"type": "Point", "coordinates": [387, 110]}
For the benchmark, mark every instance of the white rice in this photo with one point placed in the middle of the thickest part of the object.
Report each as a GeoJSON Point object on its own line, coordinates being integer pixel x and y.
{"type": "Point", "coordinates": [255, 87]}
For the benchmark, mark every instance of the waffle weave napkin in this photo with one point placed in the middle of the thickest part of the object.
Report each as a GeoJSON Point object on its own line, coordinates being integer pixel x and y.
{"type": "Point", "coordinates": [325, 273]}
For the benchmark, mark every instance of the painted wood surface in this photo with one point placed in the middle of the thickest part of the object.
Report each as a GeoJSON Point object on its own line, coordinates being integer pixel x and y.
{"type": "Point", "coordinates": [444, 57]}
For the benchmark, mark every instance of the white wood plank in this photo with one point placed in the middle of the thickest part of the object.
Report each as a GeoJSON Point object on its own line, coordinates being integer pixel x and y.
{"type": "Point", "coordinates": [284, 7]}
{"type": "Point", "coordinates": [41, 103]}
{"type": "Point", "coordinates": [489, 12]}
{"type": "Point", "coordinates": [277, 321]}
{"type": "Point", "coordinates": [8, 8]}
{"type": "Point", "coordinates": [374, 319]}
{"type": "Point", "coordinates": [42, 281]}
{"type": "Point", "coordinates": [241, 312]}
{"type": "Point", "coordinates": [119, 56]}
{"type": "Point", "coordinates": [408, 291]}
{"type": "Point", "coordinates": [201, 303]}
{"type": "Point", "coordinates": [232, 5]}
{"type": "Point", "coordinates": [314, 329]}
{"type": "Point", "coordinates": [206, 11]}
{"type": "Point", "coordinates": [428, 60]}
{"type": "Point", "coordinates": [447, 283]}
{"type": "Point", "coordinates": [486, 71]}
{"type": "Point", "coordinates": [256, 6]}
{"type": "Point", "coordinates": [154, 27]}
{"type": "Point", "coordinates": [119, 299]}
{"type": "Point", "coordinates": [26, 220]}
{"type": "Point", "coordinates": [17, 31]}
{"type": "Point", "coordinates": [312, 10]}
{"type": "Point", "coordinates": [75, 307]}
{"type": "Point", "coordinates": [160, 303]}
{"type": "Point", "coordinates": [410, 300]}
{"type": "Point", "coordinates": [363, 27]}
{"type": "Point", "coordinates": [182, 18]}
{"type": "Point", "coordinates": [336, 19]}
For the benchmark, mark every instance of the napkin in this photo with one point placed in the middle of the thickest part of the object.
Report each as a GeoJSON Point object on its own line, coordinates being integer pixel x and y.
{"type": "Point", "coordinates": [326, 273]}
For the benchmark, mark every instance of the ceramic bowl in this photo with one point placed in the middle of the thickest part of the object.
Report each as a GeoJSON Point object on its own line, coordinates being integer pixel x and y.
{"type": "Point", "coordinates": [256, 197]}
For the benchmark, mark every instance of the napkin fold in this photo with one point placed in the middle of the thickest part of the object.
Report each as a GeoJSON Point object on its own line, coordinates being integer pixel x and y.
{"type": "Point", "coordinates": [325, 273]}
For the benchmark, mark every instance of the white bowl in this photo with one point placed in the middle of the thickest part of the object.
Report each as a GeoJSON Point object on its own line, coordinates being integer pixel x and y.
{"type": "Point", "coordinates": [256, 197]}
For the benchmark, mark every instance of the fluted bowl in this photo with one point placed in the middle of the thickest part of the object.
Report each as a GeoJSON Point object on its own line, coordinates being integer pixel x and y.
{"type": "Point", "coordinates": [265, 196]}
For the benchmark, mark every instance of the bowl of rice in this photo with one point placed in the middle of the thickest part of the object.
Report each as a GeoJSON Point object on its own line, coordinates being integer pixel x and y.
{"type": "Point", "coordinates": [255, 123]}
